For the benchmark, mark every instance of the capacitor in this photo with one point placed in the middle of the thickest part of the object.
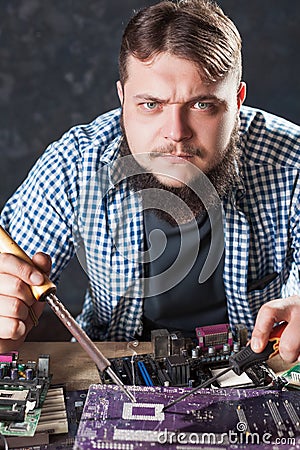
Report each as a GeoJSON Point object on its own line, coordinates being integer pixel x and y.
{"type": "Point", "coordinates": [29, 373]}
{"type": "Point", "coordinates": [226, 348]}
{"type": "Point", "coordinates": [236, 347]}
{"type": "Point", "coordinates": [14, 373]}
{"type": "Point", "coordinates": [4, 369]}
{"type": "Point", "coordinates": [211, 350]}
{"type": "Point", "coordinates": [195, 352]}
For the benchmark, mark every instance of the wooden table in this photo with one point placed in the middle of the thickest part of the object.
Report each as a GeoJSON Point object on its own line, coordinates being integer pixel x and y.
{"type": "Point", "coordinates": [71, 365]}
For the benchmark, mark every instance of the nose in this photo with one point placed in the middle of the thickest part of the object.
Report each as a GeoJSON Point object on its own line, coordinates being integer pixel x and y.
{"type": "Point", "coordinates": [176, 126]}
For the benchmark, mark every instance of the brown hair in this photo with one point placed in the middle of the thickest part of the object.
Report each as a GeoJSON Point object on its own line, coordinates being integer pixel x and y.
{"type": "Point", "coordinates": [197, 30]}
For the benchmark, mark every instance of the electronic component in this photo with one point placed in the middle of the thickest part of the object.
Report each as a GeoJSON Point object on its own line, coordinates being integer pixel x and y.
{"type": "Point", "coordinates": [53, 417]}
{"type": "Point", "coordinates": [292, 376]}
{"type": "Point", "coordinates": [244, 359]}
{"type": "Point", "coordinates": [167, 344]}
{"type": "Point", "coordinates": [161, 343]}
{"type": "Point", "coordinates": [241, 335]}
{"type": "Point", "coordinates": [145, 370]}
{"type": "Point", "coordinates": [222, 418]}
{"type": "Point", "coordinates": [23, 389]}
{"type": "Point", "coordinates": [176, 362]}
{"type": "Point", "coordinates": [214, 336]}
{"type": "Point", "coordinates": [178, 368]}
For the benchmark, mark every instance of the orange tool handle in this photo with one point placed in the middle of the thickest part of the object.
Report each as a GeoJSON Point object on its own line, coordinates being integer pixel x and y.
{"type": "Point", "coordinates": [247, 357]}
{"type": "Point", "coordinates": [8, 245]}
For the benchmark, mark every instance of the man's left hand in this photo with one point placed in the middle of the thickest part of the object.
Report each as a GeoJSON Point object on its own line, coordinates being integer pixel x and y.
{"type": "Point", "coordinates": [287, 310]}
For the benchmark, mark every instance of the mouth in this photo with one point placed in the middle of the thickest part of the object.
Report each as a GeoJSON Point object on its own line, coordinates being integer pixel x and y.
{"type": "Point", "coordinates": [178, 158]}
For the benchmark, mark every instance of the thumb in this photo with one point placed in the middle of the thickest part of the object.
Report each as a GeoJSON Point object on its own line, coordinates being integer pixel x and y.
{"type": "Point", "coordinates": [43, 262]}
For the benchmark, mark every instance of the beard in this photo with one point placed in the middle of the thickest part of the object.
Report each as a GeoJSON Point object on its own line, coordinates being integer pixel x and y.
{"type": "Point", "coordinates": [223, 175]}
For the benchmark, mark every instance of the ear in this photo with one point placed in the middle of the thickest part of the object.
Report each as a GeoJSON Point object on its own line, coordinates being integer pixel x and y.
{"type": "Point", "coordinates": [120, 91]}
{"type": "Point", "coordinates": [241, 94]}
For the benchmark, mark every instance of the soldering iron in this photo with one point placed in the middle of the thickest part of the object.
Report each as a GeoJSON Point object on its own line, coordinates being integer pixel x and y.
{"type": "Point", "coordinates": [46, 292]}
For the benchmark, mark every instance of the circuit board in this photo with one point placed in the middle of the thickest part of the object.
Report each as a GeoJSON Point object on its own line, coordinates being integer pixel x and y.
{"type": "Point", "coordinates": [208, 419]}
{"type": "Point", "coordinates": [293, 376]}
{"type": "Point", "coordinates": [23, 388]}
{"type": "Point", "coordinates": [74, 401]}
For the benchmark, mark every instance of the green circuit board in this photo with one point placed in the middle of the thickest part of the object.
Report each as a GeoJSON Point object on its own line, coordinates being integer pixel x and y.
{"type": "Point", "coordinates": [293, 376]}
{"type": "Point", "coordinates": [23, 389]}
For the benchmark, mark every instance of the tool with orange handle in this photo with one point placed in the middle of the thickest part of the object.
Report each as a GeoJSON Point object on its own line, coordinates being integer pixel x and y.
{"type": "Point", "coordinates": [241, 361]}
{"type": "Point", "coordinates": [46, 292]}
{"type": "Point", "coordinates": [247, 357]}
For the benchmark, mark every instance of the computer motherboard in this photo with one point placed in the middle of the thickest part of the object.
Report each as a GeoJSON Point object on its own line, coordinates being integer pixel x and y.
{"type": "Point", "coordinates": [255, 410]}
{"type": "Point", "coordinates": [208, 419]}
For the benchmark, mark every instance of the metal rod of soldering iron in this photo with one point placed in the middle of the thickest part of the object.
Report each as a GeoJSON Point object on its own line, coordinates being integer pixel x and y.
{"type": "Point", "coordinates": [91, 349]}
{"type": "Point", "coordinates": [46, 292]}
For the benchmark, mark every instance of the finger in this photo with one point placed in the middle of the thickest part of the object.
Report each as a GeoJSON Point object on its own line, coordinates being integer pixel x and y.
{"type": "Point", "coordinates": [38, 308]}
{"type": "Point", "coordinates": [11, 286]}
{"type": "Point", "coordinates": [13, 265]}
{"type": "Point", "coordinates": [43, 262]}
{"type": "Point", "coordinates": [13, 308]}
{"type": "Point", "coordinates": [12, 328]}
{"type": "Point", "coordinates": [266, 318]}
{"type": "Point", "coordinates": [289, 346]}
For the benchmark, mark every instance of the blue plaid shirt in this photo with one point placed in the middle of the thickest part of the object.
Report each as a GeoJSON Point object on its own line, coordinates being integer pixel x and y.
{"type": "Point", "coordinates": [68, 204]}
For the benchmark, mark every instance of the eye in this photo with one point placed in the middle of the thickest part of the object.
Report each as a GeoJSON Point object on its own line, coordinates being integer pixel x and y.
{"type": "Point", "coordinates": [150, 106]}
{"type": "Point", "coordinates": [202, 106]}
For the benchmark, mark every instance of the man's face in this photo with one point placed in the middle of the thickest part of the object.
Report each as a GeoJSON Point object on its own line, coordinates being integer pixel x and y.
{"type": "Point", "coordinates": [172, 117]}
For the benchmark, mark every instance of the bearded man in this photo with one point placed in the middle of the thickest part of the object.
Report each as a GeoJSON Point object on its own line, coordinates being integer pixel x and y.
{"type": "Point", "coordinates": [182, 205]}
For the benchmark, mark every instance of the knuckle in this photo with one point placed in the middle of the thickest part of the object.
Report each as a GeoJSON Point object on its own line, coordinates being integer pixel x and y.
{"type": "Point", "coordinates": [268, 308]}
{"type": "Point", "coordinates": [11, 328]}
{"type": "Point", "coordinates": [284, 348]}
{"type": "Point", "coordinates": [4, 260]}
{"type": "Point", "coordinates": [18, 309]}
{"type": "Point", "coordinates": [15, 328]}
{"type": "Point", "coordinates": [24, 271]}
{"type": "Point", "coordinates": [18, 286]}
{"type": "Point", "coordinates": [15, 307]}
{"type": "Point", "coordinates": [12, 265]}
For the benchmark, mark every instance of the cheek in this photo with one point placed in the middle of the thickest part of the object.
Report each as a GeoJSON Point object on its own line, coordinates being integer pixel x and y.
{"type": "Point", "coordinates": [140, 136]}
{"type": "Point", "coordinates": [132, 134]}
{"type": "Point", "coordinates": [221, 133]}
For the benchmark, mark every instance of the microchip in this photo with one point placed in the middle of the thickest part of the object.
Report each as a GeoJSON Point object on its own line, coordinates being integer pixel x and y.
{"type": "Point", "coordinates": [18, 427]}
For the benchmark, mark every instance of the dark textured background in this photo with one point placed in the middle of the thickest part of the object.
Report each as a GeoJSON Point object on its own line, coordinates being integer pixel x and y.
{"type": "Point", "coordinates": [58, 67]}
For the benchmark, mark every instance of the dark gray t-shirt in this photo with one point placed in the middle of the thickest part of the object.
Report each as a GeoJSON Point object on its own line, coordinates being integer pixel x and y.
{"type": "Point", "coordinates": [176, 300]}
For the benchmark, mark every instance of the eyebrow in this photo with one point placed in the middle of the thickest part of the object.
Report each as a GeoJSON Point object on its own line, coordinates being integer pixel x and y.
{"type": "Point", "coordinates": [196, 98]}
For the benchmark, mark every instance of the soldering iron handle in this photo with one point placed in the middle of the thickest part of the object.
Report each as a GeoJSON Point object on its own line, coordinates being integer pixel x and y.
{"type": "Point", "coordinates": [8, 245]}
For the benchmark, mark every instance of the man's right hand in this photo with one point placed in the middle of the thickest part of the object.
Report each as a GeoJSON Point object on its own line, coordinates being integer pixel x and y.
{"type": "Point", "coordinates": [16, 297]}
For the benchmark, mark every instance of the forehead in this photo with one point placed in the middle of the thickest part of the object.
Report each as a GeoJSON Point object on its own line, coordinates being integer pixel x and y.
{"type": "Point", "coordinates": [178, 79]}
